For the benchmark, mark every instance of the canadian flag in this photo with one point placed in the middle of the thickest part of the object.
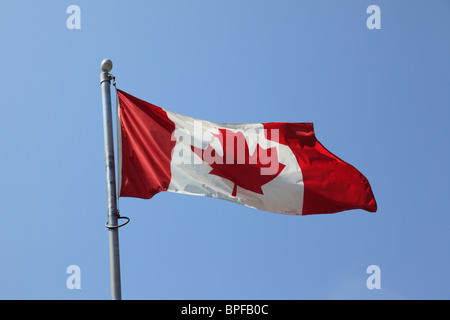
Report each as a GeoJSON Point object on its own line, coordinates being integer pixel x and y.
{"type": "Point", "coordinates": [277, 167]}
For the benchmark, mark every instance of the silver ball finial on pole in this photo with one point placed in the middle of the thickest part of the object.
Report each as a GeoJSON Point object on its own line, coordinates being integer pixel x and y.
{"type": "Point", "coordinates": [107, 65]}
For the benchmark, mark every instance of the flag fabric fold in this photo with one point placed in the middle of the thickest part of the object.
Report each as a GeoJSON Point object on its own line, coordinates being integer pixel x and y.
{"type": "Point", "coordinates": [277, 167]}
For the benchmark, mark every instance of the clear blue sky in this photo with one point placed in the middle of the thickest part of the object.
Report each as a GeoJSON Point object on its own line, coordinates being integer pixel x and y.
{"type": "Point", "coordinates": [379, 99]}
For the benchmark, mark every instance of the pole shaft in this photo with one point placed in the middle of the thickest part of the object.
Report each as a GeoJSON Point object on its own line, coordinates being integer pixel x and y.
{"type": "Point", "coordinates": [114, 260]}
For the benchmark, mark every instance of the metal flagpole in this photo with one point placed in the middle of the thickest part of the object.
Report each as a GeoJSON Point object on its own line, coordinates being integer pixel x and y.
{"type": "Point", "coordinates": [113, 215]}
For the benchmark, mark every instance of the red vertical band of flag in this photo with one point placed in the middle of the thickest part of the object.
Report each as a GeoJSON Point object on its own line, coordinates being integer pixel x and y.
{"type": "Point", "coordinates": [146, 147]}
{"type": "Point", "coordinates": [331, 184]}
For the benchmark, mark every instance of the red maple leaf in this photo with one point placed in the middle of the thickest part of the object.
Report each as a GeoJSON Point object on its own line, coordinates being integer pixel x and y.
{"type": "Point", "coordinates": [237, 165]}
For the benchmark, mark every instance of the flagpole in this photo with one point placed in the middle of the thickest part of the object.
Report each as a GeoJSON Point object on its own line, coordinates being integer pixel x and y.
{"type": "Point", "coordinates": [114, 260]}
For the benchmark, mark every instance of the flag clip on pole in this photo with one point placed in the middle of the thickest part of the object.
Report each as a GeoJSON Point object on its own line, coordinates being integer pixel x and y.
{"type": "Point", "coordinates": [113, 215]}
